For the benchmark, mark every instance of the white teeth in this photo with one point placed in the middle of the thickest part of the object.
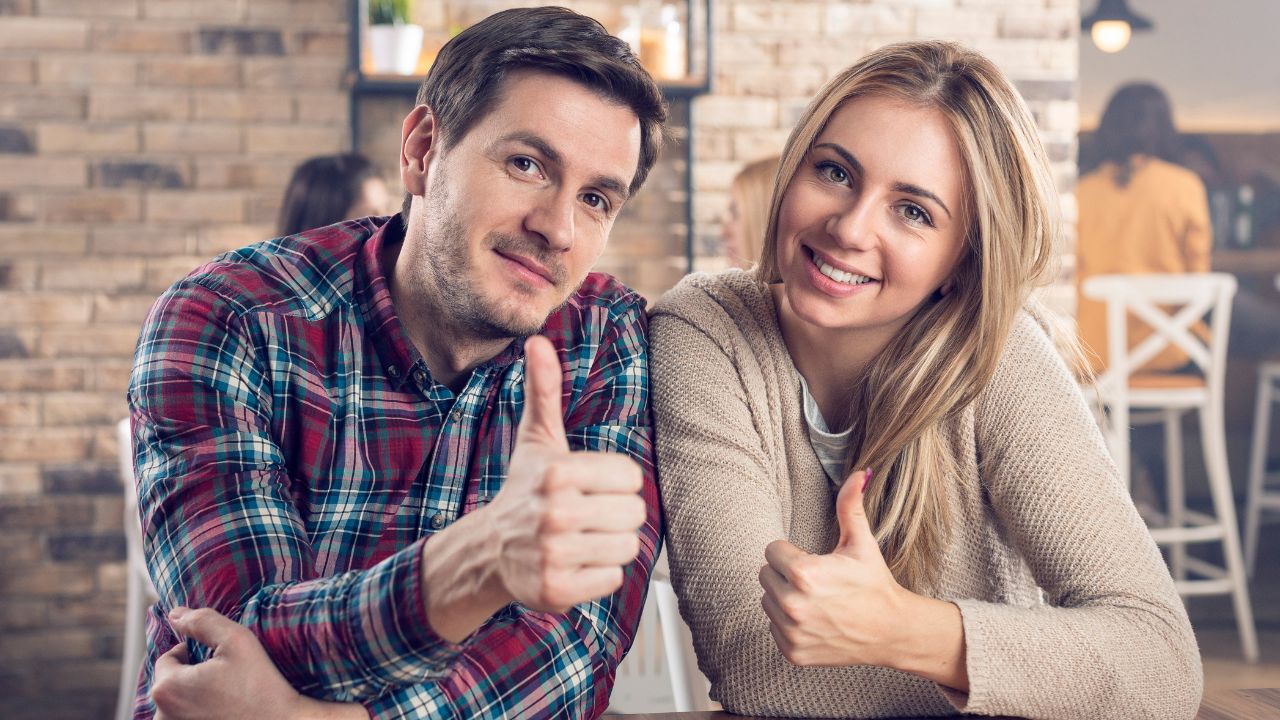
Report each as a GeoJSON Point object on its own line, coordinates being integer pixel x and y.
{"type": "Point", "coordinates": [838, 275]}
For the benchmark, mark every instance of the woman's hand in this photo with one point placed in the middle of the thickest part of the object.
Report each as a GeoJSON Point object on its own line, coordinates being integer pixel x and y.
{"type": "Point", "coordinates": [846, 608]}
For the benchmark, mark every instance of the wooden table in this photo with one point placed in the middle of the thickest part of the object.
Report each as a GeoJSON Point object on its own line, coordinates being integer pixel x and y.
{"type": "Point", "coordinates": [1219, 705]}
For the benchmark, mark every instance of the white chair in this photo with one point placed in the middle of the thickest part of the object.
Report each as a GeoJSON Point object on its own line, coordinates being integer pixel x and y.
{"type": "Point", "coordinates": [1261, 497]}
{"type": "Point", "coordinates": [139, 591]}
{"type": "Point", "coordinates": [1172, 305]}
{"type": "Point", "coordinates": [660, 673]}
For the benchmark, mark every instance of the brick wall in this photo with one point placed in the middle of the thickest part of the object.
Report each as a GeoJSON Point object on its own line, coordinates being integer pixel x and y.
{"type": "Point", "coordinates": [140, 137]}
{"type": "Point", "coordinates": [137, 138]}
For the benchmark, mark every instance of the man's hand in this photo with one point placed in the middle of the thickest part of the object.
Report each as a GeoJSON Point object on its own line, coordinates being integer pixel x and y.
{"type": "Point", "coordinates": [566, 522]}
{"type": "Point", "coordinates": [239, 681]}
{"type": "Point", "coordinates": [557, 534]}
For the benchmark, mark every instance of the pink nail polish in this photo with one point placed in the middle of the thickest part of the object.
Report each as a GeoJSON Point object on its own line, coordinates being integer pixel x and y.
{"type": "Point", "coordinates": [866, 479]}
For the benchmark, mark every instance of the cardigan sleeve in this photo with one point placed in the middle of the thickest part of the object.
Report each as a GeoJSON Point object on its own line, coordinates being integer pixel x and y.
{"type": "Point", "coordinates": [1113, 639]}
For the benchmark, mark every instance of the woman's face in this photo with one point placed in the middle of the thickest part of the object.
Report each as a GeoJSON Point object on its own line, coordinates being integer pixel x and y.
{"type": "Point", "coordinates": [372, 199]}
{"type": "Point", "coordinates": [872, 223]}
{"type": "Point", "coordinates": [731, 234]}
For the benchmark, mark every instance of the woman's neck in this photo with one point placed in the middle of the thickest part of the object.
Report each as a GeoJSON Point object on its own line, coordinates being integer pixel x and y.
{"type": "Point", "coordinates": [832, 362]}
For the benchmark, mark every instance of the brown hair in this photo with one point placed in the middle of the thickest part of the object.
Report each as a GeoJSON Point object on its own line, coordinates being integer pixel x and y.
{"type": "Point", "coordinates": [466, 79]}
{"type": "Point", "coordinates": [948, 351]}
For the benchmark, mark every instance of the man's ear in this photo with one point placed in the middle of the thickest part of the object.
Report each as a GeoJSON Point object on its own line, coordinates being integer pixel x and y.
{"type": "Point", "coordinates": [419, 139]}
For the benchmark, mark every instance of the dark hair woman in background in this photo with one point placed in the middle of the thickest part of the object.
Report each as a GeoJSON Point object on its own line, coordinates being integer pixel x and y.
{"type": "Point", "coordinates": [331, 188]}
{"type": "Point", "coordinates": [1139, 210]}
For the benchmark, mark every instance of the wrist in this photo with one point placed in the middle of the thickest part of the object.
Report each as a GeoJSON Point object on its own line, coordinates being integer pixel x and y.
{"type": "Point", "coordinates": [931, 645]}
{"type": "Point", "coordinates": [461, 585]}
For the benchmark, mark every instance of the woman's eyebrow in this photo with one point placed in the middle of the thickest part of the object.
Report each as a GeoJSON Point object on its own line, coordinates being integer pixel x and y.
{"type": "Point", "coordinates": [921, 192]}
{"type": "Point", "coordinates": [898, 187]}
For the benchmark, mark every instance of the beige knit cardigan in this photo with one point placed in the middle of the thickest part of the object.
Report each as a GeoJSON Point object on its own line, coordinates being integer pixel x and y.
{"type": "Point", "coordinates": [1040, 506]}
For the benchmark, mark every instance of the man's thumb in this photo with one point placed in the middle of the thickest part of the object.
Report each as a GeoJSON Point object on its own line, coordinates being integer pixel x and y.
{"type": "Point", "coordinates": [543, 419]}
{"type": "Point", "coordinates": [207, 627]}
{"type": "Point", "coordinates": [851, 514]}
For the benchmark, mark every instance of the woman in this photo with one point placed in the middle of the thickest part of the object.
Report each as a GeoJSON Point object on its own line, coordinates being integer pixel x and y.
{"type": "Point", "coordinates": [1139, 211]}
{"type": "Point", "coordinates": [331, 188]}
{"type": "Point", "coordinates": [994, 563]}
{"type": "Point", "coordinates": [748, 214]}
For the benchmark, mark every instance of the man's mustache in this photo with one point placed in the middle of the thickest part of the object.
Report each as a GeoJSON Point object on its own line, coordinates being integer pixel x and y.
{"type": "Point", "coordinates": [534, 250]}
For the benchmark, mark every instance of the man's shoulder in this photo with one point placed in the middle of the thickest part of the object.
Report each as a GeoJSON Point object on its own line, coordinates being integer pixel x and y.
{"type": "Point", "coordinates": [600, 306]}
{"type": "Point", "coordinates": [307, 275]}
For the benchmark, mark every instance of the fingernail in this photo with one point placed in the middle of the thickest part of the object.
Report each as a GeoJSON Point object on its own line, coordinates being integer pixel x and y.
{"type": "Point", "coordinates": [177, 613]}
{"type": "Point", "coordinates": [867, 478]}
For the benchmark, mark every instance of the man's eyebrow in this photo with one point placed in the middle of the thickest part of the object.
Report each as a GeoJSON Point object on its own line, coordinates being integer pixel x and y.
{"type": "Point", "coordinates": [544, 148]}
{"type": "Point", "coordinates": [898, 187]}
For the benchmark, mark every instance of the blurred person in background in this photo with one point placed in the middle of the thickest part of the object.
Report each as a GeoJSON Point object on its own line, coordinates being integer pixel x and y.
{"type": "Point", "coordinates": [1139, 211]}
{"type": "Point", "coordinates": [742, 232]}
{"type": "Point", "coordinates": [327, 189]}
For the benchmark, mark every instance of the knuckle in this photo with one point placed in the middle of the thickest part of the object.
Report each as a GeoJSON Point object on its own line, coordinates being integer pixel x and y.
{"type": "Point", "coordinates": [792, 607]}
{"type": "Point", "coordinates": [556, 478]}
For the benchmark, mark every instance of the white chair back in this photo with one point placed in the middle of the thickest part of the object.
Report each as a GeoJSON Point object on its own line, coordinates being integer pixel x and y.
{"type": "Point", "coordinates": [1171, 305]}
{"type": "Point", "coordinates": [139, 590]}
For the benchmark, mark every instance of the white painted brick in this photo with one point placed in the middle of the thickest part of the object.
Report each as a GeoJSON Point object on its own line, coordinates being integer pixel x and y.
{"type": "Point", "coordinates": [731, 112]}
{"type": "Point", "coordinates": [843, 20]}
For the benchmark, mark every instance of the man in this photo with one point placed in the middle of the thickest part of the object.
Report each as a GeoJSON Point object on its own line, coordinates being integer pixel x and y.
{"type": "Point", "coordinates": [325, 425]}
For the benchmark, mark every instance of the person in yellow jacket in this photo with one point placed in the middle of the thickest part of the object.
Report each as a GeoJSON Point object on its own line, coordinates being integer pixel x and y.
{"type": "Point", "coordinates": [1138, 212]}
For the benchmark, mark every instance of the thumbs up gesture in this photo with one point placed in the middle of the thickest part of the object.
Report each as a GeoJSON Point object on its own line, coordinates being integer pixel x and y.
{"type": "Point", "coordinates": [835, 609]}
{"type": "Point", "coordinates": [566, 522]}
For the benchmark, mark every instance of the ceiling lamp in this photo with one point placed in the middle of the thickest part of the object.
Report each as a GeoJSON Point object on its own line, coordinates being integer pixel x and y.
{"type": "Point", "coordinates": [1111, 25]}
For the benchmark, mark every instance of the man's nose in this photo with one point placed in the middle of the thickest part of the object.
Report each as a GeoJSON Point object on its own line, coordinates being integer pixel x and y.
{"type": "Point", "coordinates": [552, 217]}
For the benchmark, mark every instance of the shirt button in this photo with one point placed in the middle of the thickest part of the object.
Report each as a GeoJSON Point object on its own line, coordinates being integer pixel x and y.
{"type": "Point", "coordinates": [420, 377]}
{"type": "Point", "coordinates": [393, 372]}
{"type": "Point", "coordinates": [437, 521]}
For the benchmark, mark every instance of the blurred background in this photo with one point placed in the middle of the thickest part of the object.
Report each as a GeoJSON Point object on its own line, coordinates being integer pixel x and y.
{"type": "Point", "coordinates": [138, 138]}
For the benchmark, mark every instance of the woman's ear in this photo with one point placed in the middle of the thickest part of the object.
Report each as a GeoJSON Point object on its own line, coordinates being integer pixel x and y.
{"type": "Point", "coordinates": [419, 139]}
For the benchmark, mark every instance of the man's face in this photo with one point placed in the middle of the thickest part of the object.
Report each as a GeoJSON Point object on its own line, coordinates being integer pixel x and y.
{"type": "Point", "coordinates": [516, 212]}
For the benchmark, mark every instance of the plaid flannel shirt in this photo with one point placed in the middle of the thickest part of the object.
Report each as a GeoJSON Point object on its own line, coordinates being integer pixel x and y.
{"type": "Point", "coordinates": [293, 453]}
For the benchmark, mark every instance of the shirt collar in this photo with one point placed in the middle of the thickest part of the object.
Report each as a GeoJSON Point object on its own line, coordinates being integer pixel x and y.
{"type": "Point", "coordinates": [399, 358]}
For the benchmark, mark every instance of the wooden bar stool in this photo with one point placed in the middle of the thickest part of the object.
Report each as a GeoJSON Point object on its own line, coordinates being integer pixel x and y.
{"type": "Point", "coordinates": [1173, 306]}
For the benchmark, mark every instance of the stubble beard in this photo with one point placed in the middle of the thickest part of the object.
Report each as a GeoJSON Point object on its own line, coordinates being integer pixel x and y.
{"type": "Point", "coordinates": [448, 275]}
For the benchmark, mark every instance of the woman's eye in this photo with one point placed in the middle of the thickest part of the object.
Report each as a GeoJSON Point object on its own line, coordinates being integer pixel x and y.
{"type": "Point", "coordinates": [916, 214]}
{"type": "Point", "coordinates": [834, 172]}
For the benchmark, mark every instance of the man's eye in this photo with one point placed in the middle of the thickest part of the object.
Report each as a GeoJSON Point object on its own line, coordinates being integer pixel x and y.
{"type": "Point", "coordinates": [595, 201]}
{"type": "Point", "coordinates": [524, 165]}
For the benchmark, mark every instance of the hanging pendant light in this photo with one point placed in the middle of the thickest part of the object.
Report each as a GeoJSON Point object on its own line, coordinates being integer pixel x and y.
{"type": "Point", "coordinates": [1111, 25]}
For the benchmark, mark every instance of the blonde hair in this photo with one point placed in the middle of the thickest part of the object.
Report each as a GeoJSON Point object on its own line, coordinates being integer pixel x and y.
{"type": "Point", "coordinates": [947, 352]}
{"type": "Point", "coordinates": [752, 189]}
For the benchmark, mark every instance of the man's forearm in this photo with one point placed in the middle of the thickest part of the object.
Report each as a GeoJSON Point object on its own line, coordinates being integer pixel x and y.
{"type": "Point", "coordinates": [460, 583]}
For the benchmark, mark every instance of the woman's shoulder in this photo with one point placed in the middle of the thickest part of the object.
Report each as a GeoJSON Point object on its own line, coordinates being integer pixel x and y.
{"type": "Point", "coordinates": [1034, 359]}
{"type": "Point", "coordinates": [1171, 176]}
{"type": "Point", "coordinates": [732, 301]}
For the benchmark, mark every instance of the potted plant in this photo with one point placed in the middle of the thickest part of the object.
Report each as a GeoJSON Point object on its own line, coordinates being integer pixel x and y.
{"type": "Point", "coordinates": [394, 41]}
